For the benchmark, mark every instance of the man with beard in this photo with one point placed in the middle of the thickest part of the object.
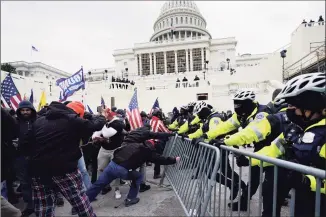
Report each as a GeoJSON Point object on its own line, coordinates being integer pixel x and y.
{"type": "Point", "coordinates": [26, 115]}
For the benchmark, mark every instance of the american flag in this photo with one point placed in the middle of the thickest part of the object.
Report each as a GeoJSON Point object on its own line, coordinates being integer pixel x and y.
{"type": "Point", "coordinates": [133, 113]}
{"type": "Point", "coordinates": [9, 93]}
{"type": "Point", "coordinates": [155, 106]}
{"type": "Point", "coordinates": [34, 48]}
{"type": "Point", "coordinates": [102, 102]}
{"type": "Point", "coordinates": [157, 125]}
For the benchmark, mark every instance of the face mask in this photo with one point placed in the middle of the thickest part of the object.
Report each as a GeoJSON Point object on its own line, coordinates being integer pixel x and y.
{"type": "Point", "coordinates": [299, 120]}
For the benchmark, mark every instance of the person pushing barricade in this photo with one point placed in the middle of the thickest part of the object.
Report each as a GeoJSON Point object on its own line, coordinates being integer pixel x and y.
{"type": "Point", "coordinates": [137, 149]}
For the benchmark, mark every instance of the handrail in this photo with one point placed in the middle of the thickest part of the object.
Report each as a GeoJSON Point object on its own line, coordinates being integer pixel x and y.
{"type": "Point", "coordinates": [312, 52]}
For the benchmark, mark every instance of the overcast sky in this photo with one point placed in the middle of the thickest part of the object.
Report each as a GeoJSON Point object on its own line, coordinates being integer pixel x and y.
{"type": "Point", "coordinates": [73, 34]}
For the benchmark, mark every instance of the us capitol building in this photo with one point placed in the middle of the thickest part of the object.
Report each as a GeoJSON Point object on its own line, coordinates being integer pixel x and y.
{"type": "Point", "coordinates": [180, 48]}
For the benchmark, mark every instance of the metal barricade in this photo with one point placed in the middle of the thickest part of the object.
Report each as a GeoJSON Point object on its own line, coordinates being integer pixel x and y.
{"type": "Point", "coordinates": [193, 178]}
{"type": "Point", "coordinates": [274, 185]}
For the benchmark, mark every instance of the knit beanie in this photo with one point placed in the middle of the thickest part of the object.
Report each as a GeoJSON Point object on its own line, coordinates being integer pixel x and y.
{"type": "Point", "coordinates": [78, 107]}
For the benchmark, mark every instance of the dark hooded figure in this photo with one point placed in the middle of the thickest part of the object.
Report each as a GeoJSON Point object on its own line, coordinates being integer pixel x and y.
{"type": "Point", "coordinates": [26, 115]}
{"type": "Point", "coordinates": [176, 114]}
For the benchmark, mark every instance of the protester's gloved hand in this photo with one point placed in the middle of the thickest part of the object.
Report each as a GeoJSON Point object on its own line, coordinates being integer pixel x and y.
{"type": "Point", "coordinates": [88, 116]}
{"type": "Point", "coordinates": [242, 161]}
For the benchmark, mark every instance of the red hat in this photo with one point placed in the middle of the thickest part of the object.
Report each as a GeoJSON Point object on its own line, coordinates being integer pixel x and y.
{"type": "Point", "coordinates": [78, 107]}
{"type": "Point", "coordinates": [151, 141]}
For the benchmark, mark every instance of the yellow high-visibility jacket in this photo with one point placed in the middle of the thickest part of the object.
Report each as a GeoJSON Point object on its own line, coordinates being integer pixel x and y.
{"type": "Point", "coordinates": [311, 136]}
{"type": "Point", "coordinates": [258, 130]}
{"type": "Point", "coordinates": [233, 123]}
{"type": "Point", "coordinates": [211, 123]}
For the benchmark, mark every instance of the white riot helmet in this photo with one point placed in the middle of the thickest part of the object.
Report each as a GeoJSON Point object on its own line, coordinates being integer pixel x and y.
{"type": "Point", "coordinates": [315, 82]}
{"type": "Point", "coordinates": [244, 94]}
{"type": "Point", "coordinates": [199, 106]}
{"type": "Point", "coordinates": [278, 101]}
{"type": "Point", "coordinates": [191, 104]}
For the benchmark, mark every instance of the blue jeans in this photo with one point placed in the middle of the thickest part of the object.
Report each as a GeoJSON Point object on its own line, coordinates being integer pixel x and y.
{"type": "Point", "coordinates": [112, 172]}
{"type": "Point", "coordinates": [25, 180]}
{"type": "Point", "coordinates": [4, 190]}
{"type": "Point", "coordinates": [85, 176]}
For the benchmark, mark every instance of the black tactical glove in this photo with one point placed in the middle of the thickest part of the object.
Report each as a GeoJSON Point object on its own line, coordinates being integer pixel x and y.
{"type": "Point", "coordinates": [88, 116]}
{"type": "Point", "coordinates": [242, 161]}
{"type": "Point", "coordinates": [183, 136]}
{"type": "Point", "coordinates": [217, 142]}
{"type": "Point", "coordinates": [196, 142]}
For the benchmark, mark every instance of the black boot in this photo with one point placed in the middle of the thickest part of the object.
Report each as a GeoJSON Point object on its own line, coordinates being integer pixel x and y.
{"type": "Point", "coordinates": [144, 187]}
{"type": "Point", "coordinates": [236, 190]}
{"type": "Point", "coordinates": [106, 189]}
{"type": "Point", "coordinates": [243, 205]}
{"type": "Point", "coordinates": [27, 212]}
{"type": "Point", "coordinates": [60, 202]}
{"type": "Point", "coordinates": [130, 202]}
{"type": "Point", "coordinates": [157, 176]}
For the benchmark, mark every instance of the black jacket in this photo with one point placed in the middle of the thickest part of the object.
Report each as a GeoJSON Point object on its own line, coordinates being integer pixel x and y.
{"type": "Point", "coordinates": [135, 150]}
{"type": "Point", "coordinates": [8, 151]}
{"type": "Point", "coordinates": [24, 124]}
{"type": "Point", "coordinates": [52, 144]}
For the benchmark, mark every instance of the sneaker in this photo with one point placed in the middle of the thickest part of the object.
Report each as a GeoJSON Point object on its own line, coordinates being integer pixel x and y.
{"type": "Point", "coordinates": [117, 194]}
{"type": "Point", "coordinates": [106, 190]}
{"type": "Point", "coordinates": [73, 211]}
{"type": "Point", "coordinates": [130, 202]}
{"type": "Point", "coordinates": [158, 176]}
{"type": "Point", "coordinates": [144, 187]}
{"type": "Point", "coordinates": [27, 212]}
{"type": "Point", "coordinates": [60, 202]}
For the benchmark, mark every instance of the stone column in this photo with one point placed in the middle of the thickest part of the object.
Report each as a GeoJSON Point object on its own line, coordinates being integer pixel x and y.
{"type": "Point", "coordinates": [191, 34]}
{"type": "Point", "coordinates": [179, 35]}
{"type": "Point", "coordinates": [187, 61]}
{"type": "Point", "coordinates": [176, 61]}
{"type": "Point", "coordinates": [150, 64]}
{"type": "Point", "coordinates": [154, 63]}
{"type": "Point", "coordinates": [165, 63]}
{"type": "Point", "coordinates": [140, 65]}
{"type": "Point", "coordinates": [202, 59]}
{"type": "Point", "coordinates": [191, 61]}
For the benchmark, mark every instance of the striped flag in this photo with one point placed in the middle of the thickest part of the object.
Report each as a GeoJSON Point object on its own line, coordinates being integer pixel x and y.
{"type": "Point", "coordinates": [34, 48]}
{"type": "Point", "coordinates": [10, 93]}
{"type": "Point", "coordinates": [155, 106]}
{"type": "Point", "coordinates": [102, 102]}
{"type": "Point", "coordinates": [31, 98]}
{"type": "Point", "coordinates": [157, 125]}
{"type": "Point", "coordinates": [89, 109]}
{"type": "Point", "coordinates": [133, 113]}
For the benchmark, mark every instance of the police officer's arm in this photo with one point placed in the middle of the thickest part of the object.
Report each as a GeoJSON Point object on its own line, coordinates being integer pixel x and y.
{"type": "Point", "coordinates": [184, 128]}
{"type": "Point", "coordinates": [256, 131]}
{"type": "Point", "coordinates": [224, 127]}
{"type": "Point", "coordinates": [275, 150]}
{"type": "Point", "coordinates": [198, 133]}
{"type": "Point", "coordinates": [196, 120]}
{"type": "Point", "coordinates": [174, 125]}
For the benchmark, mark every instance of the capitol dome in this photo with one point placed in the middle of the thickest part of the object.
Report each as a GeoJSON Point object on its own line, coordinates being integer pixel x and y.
{"type": "Point", "coordinates": [183, 17]}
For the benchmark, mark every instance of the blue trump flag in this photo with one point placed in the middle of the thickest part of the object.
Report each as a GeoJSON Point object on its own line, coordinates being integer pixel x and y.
{"type": "Point", "coordinates": [72, 84]}
{"type": "Point", "coordinates": [31, 98]}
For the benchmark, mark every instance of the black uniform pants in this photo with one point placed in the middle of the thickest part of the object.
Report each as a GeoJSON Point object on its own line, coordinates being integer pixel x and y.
{"type": "Point", "coordinates": [90, 153]}
{"type": "Point", "coordinates": [304, 199]}
{"type": "Point", "coordinates": [227, 173]}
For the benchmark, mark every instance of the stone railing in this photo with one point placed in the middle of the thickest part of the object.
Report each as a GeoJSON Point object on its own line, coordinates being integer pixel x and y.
{"type": "Point", "coordinates": [182, 84]}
